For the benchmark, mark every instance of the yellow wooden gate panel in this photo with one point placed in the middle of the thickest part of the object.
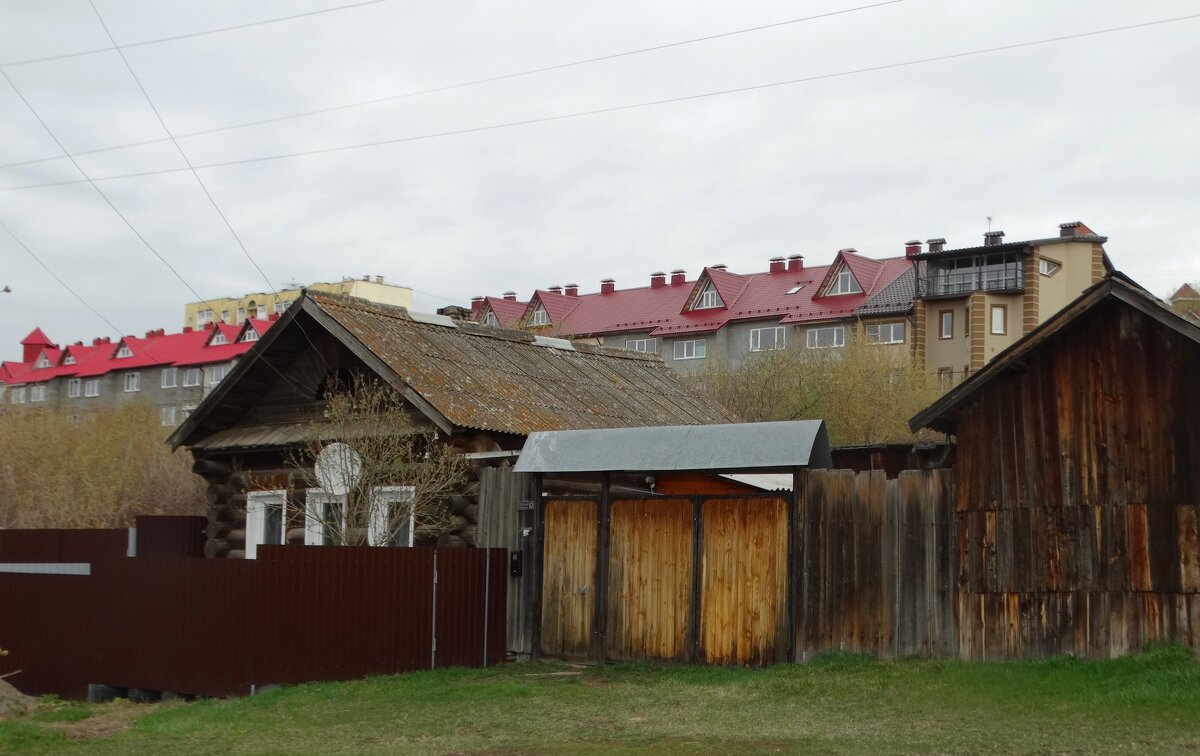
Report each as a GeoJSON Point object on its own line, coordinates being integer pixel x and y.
{"type": "Point", "coordinates": [569, 577]}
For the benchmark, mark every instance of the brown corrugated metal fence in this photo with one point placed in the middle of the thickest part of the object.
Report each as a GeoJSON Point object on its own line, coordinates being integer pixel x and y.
{"type": "Point", "coordinates": [62, 544]}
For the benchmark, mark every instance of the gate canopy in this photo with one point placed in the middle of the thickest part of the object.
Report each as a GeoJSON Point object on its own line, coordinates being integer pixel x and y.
{"type": "Point", "coordinates": [733, 447]}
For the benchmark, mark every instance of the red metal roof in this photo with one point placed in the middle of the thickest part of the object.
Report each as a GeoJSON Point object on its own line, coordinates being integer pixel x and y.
{"type": "Point", "coordinates": [37, 338]}
{"type": "Point", "coordinates": [663, 310]}
{"type": "Point", "coordinates": [508, 312]}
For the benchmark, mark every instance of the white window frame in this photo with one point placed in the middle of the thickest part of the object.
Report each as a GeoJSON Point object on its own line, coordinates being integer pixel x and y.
{"type": "Point", "coordinates": [944, 332]}
{"type": "Point", "coordinates": [69, 359]}
{"type": "Point", "coordinates": [218, 339]}
{"type": "Point", "coordinates": [37, 392]}
{"type": "Point", "coordinates": [250, 335]}
{"type": "Point", "coordinates": [133, 382]}
{"type": "Point", "coordinates": [1000, 328]}
{"type": "Point", "coordinates": [756, 339]}
{"type": "Point", "coordinates": [642, 345]}
{"type": "Point", "coordinates": [91, 387]}
{"type": "Point", "coordinates": [166, 415]}
{"type": "Point", "coordinates": [43, 362]}
{"type": "Point", "coordinates": [74, 388]}
{"type": "Point", "coordinates": [885, 333]}
{"type": "Point", "coordinates": [709, 298]}
{"type": "Point", "coordinates": [489, 319]}
{"type": "Point", "coordinates": [812, 338]}
{"type": "Point", "coordinates": [224, 316]}
{"type": "Point", "coordinates": [377, 522]}
{"type": "Point", "coordinates": [187, 410]}
{"type": "Point", "coordinates": [258, 504]}
{"type": "Point", "coordinates": [203, 317]}
{"type": "Point", "coordinates": [539, 317]}
{"type": "Point", "coordinates": [124, 352]}
{"type": "Point", "coordinates": [170, 377]}
{"type": "Point", "coordinates": [1048, 267]}
{"type": "Point", "coordinates": [843, 283]}
{"type": "Point", "coordinates": [222, 368]}
{"type": "Point", "coordinates": [317, 506]}
{"type": "Point", "coordinates": [18, 395]}
{"type": "Point", "coordinates": [193, 376]}
{"type": "Point", "coordinates": [260, 312]}
{"type": "Point", "coordinates": [280, 307]}
{"type": "Point", "coordinates": [692, 349]}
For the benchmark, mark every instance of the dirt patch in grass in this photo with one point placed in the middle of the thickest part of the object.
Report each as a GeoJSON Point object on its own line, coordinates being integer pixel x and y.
{"type": "Point", "coordinates": [14, 703]}
{"type": "Point", "coordinates": [107, 719]}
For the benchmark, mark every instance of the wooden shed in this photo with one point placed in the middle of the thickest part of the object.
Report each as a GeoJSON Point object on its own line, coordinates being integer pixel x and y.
{"type": "Point", "coordinates": [703, 573]}
{"type": "Point", "coordinates": [1078, 480]}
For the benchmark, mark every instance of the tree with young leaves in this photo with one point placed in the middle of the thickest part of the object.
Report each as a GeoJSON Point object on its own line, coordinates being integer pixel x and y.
{"type": "Point", "coordinates": [864, 392]}
{"type": "Point", "coordinates": [396, 471]}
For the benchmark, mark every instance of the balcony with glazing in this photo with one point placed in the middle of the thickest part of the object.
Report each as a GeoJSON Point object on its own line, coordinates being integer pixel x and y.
{"type": "Point", "coordinates": [996, 273]}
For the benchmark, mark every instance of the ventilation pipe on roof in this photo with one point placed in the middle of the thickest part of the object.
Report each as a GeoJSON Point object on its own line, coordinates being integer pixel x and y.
{"type": "Point", "coordinates": [992, 238]}
{"type": "Point", "coordinates": [555, 289]}
{"type": "Point", "coordinates": [476, 306]}
{"type": "Point", "coordinates": [658, 280]}
{"type": "Point", "coordinates": [571, 290]}
{"type": "Point", "coordinates": [936, 245]}
{"type": "Point", "coordinates": [795, 263]}
{"type": "Point", "coordinates": [912, 247]}
{"type": "Point", "coordinates": [778, 265]}
{"type": "Point", "coordinates": [510, 296]}
{"type": "Point", "coordinates": [719, 266]}
{"type": "Point", "coordinates": [847, 251]}
{"type": "Point", "coordinates": [678, 277]}
{"type": "Point", "coordinates": [607, 286]}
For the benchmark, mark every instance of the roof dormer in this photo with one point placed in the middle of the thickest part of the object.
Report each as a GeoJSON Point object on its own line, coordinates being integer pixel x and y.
{"type": "Point", "coordinates": [539, 317]}
{"type": "Point", "coordinates": [840, 280]}
{"type": "Point", "coordinates": [708, 298]}
{"type": "Point", "coordinates": [123, 351]}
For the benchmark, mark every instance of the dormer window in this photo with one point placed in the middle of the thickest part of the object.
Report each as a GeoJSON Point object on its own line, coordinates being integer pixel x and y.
{"type": "Point", "coordinates": [218, 339]}
{"type": "Point", "coordinates": [709, 298]}
{"type": "Point", "coordinates": [539, 317]}
{"type": "Point", "coordinates": [251, 335]}
{"type": "Point", "coordinates": [124, 352]}
{"type": "Point", "coordinates": [490, 320]}
{"type": "Point", "coordinates": [43, 361]}
{"type": "Point", "coordinates": [69, 359]}
{"type": "Point", "coordinates": [843, 283]}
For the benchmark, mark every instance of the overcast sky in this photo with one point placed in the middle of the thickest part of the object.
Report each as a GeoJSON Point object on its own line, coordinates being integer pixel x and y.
{"type": "Point", "coordinates": [1102, 129]}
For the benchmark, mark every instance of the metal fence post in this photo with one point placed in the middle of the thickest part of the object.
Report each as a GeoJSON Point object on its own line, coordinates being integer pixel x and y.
{"type": "Point", "coordinates": [487, 596]}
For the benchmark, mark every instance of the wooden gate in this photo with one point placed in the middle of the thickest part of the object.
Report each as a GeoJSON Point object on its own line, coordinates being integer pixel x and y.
{"type": "Point", "coordinates": [568, 577]}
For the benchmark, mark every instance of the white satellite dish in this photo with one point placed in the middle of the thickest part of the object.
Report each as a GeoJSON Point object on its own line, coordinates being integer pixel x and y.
{"type": "Point", "coordinates": [338, 468]}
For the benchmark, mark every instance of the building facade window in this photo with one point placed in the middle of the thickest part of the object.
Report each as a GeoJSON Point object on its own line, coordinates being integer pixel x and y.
{"type": "Point", "coordinates": [43, 362]}
{"type": "Point", "coordinates": [203, 317]}
{"type": "Point", "coordinates": [74, 388]}
{"type": "Point", "coordinates": [766, 339]}
{"type": "Point", "coordinates": [886, 333]}
{"type": "Point", "coordinates": [945, 376]}
{"type": "Point", "coordinates": [820, 338]}
{"type": "Point", "coordinates": [37, 392]}
{"type": "Point", "coordinates": [166, 415]}
{"type": "Point", "coordinates": [280, 307]}
{"type": "Point", "coordinates": [216, 374]}
{"type": "Point", "coordinates": [133, 382]}
{"type": "Point", "coordinates": [999, 320]}
{"type": "Point", "coordinates": [490, 319]}
{"type": "Point", "coordinates": [218, 339]}
{"type": "Point", "coordinates": [1048, 267]}
{"type": "Point", "coordinates": [170, 376]}
{"type": "Point", "coordinates": [642, 345]}
{"type": "Point", "coordinates": [946, 324]}
{"type": "Point", "coordinates": [187, 410]}
{"type": "Point", "coordinates": [91, 387]}
{"type": "Point", "coordinates": [539, 317]}
{"type": "Point", "coordinates": [18, 395]}
{"type": "Point", "coordinates": [709, 298]}
{"type": "Point", "coordinates": [843, 283]}
{"type": "Point", "coordinates": [69, 359]}
{"type": "Point", "coordinates": [124, 352]}
{"type": "Point", "coordinates": [260, 312]}
{"type": "Point", "coordinates": [224, 316]}
{"type": "Point", "coordinates": [192, 377]}
{"type": "Point", "coordinates": [251, 335]}
{"type": "Point", "coordinates": [694, 349]}
{"type": "Point", "coordinates": [241, 315]}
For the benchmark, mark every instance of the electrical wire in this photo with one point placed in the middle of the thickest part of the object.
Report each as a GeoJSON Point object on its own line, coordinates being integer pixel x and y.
{"type": "Point", "coordinates": [460, 85]}
{"type": "Point", "coordinates": [617, 108]}
{"type": "Point", "coordinates": [189, 35]}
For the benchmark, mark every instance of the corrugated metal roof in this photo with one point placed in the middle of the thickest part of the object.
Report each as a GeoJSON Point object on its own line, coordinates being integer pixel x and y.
{"type": "Point", "coordinates": [490, 379]}
{"type": "Point", "coordinates": [894, 299]}
{"type": "Point", "coordinates": [730, 447]}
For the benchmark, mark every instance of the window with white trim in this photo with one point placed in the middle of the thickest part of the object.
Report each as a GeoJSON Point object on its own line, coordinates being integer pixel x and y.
{"type": "Point", "coordinates": [250, 335]}
{"type": "Point", "coordinates": [74, 388]}
{"type": "Point", "coordinates": [69, 359]}
{"type": "Point", "coordinates": [280, 307]}
{"type": "Point", "coordinates": [91, 387]}
{"type": "Point", "coordinates": [324, 517]}
{"type": "Point", "coordinates": [42, 361]}
{"type": "Point", "coordinates": [1048, 267]}
{"type": "Point", "coordinates": [203, 317]}
{"type": "Point", "coordinates": [224, 316]}
{"type": "Point", "coordinates": [241, 316]}
{"type": "Point", "coordinates": [170, 375]}
{"type": "Point", "coordinates": [187, 410]}
{"type": "Point", "coordinates": [216, 374]}
{"type": "Point", "coordinates": [642, 345]}
{"type": "Point", "coordinates": [709, 298]}
{"type": "Point", "coordinates": [265, 521]}
{"type": "Point", "coordinates": [124, 352]}
{"type": "Point", "coordinates": [133, 382]}
{"type": "Point", "coordinates": [999, 320]}
{"type": "Point", "coordinates": [795, 289]}
{"type": "Point", "coordinates": [18, 395]}
{"type": "Point", "coordinates": [37, 392]}
{"type": "Point", "coordinates": [191, 377]}
{"type": "Point", "coordinates": [829, 336]}
{"type": "Point", "coordinates": [166, 415]}
{"type": "Point", "coordinates": [946, 324]}
{"type": "Point", "coordinates": [693, 349]}
{"type": "Point", "coordinates": [260, 312]}
{"type": "Point", "coordinates": [218, 339]}
{"type": "Point", "coordinates": [886, 333]}
{"type": "Point", "coordinates": [391, 516]}
{"type": "Point", "coordinates": [766, 339]}
{"type": "Point", "coordinates": [539, 317]}
{"type": "Point", "coordinates": [843, 283]}
{"type": "Point", "coordinates": [490, 319]}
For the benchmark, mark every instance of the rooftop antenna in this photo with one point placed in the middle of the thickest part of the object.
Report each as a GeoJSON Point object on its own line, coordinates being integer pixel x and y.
{"type": "Point", "coordinates": [989, 224]}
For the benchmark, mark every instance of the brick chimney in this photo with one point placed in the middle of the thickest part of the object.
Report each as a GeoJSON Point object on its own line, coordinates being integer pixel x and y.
{"type": "Point", "coordinates": [912, 247]}
{"type": "Point", "coordinates": [476, 306]}
{"type": "Point", "coordinates": [555, 290]}
{"type": "Point", "coordinates": [571, 290]}
{"type": "Point", "coordinates": [187, 329]}
{"type": "Point", "coordinates": [795, 263]}
{"type": "Point", "coordinates": [992, 238]}
{"type": "Point", "coordinates": [510, 296]}
{"type": "Point", "coordinates": [778, 265]}
{"type": "Point", "coordinates": [658, 280]}
{"type": "Point", "coordinates": [936, 245]}
{"type": "Point", "coordinates": [678, 277]}
{"type": "Point", "coordinates": [719, 266]}
{"type": "Point", "coordinates": [1074, 228]}
{"type": "Point", "coordinates": [607, 286]}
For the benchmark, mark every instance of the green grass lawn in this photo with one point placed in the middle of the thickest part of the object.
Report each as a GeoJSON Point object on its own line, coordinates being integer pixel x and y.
{"type": "Point", "coordinates": [839, 704]}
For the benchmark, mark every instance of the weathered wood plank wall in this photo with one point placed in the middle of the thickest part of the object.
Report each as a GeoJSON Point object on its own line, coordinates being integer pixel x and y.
{"type": "Point", "coordinates": [569, 579]}
{"type": "Point", "coordinates": [501, 525]}
{"type": "Point", "coordinates": [1077, 490]}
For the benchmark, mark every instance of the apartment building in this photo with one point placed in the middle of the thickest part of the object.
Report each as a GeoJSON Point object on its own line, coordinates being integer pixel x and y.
{"type": "Point", "coordinates": [173, 372]}
{"type": "Point", "coordinates": [261, 305]}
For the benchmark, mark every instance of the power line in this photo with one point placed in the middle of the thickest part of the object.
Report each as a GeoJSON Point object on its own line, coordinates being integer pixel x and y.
{"type": "Point", "coordinates": [460, 85]}
{"type": "Point", "coordinates": [619, 108]}
{"type": "Point", "coordinates": [177, 37]}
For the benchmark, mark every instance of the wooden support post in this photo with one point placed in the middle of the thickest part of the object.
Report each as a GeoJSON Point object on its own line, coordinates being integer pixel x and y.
{"type": "Point", "coordinates": [537, 563]}
{"type": "Point", "coordinates": [600, 599]}
{"type": "Point", "coordinates": [793, 565]}
{"type": "Point", "coordinates": [693, 640]}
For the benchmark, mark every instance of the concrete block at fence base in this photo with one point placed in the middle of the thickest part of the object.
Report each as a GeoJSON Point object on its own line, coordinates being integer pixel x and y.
{"type": "Point", "coordinates": [138, 695]}
{"type": "Point", "coordinates": [104, 693]}
{"type": "Point", "coordinates": [168, 695]}
{"type": "Point", "coordinates": [258, 690]}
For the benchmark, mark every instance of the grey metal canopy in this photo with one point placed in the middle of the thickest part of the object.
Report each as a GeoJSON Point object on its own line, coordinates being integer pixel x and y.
{"type": "Point", "coordinates": [723, 448]}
